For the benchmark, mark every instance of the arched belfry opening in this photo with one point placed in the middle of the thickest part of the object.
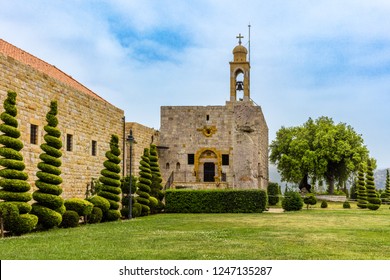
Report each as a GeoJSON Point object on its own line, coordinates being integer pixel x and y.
{"type": "Point", "coordinates": [239, 73]}
{"type": "Point", "coordinates": [240, 83]}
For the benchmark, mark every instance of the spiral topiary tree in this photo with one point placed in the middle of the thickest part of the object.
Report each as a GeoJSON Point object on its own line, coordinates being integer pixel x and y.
{"type": "Point", "coordinates": [13, 184]}
{"type": "Point", "coordinates": [361, 190]}
{"type": "Point", "coordinates": [374, 202]}
{"type": "Point", "coordinates": [136, 207]}
{"type": "Point", "coordinates": [49, 206]}
{"type": "Point", "coordinates": [144, 183]}
{"type": "Point", "coordinates": [111, 188]}
{"type": "Point", "coordinates": [156, 186]}
{"type": "Point", "coordinates": [387, 188]}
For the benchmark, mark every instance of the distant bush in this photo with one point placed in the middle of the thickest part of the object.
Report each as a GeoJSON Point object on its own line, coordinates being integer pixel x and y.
{"type": "Point", "coordinates": [273, 191]}
{"type": "Point", "coordinates": [310, 199]}
{"type": "Point", "coordinates": [70, 219]}
{"type": "Point", "coordinates": [346, 205]}
{"type": "Point", "coordinates": [215, 201]}
{"type": "Point", "coordinates": [292, 201]}
{"type": "Point", "coordinates": [324, 204]}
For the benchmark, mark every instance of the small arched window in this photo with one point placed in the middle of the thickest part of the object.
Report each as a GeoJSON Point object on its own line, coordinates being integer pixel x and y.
{"type": "Point", "coordinates": [167, 166]}
{"type": "Point", "coordinates": [177, 166]}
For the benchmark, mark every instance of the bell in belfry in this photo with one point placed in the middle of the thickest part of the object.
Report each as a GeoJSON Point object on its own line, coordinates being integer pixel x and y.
{"type": "Point", "coordinates": [239, 85]}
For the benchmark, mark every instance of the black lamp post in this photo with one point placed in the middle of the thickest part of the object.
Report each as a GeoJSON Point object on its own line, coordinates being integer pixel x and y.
{"type": "Point", "coordinates": [131, 140]}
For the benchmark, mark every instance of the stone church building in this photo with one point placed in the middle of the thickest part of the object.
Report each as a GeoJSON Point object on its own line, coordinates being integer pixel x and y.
{"type": "Point", "coordinates": [217, 146]}
{"type": "Point", "coordinates": [199, 146]}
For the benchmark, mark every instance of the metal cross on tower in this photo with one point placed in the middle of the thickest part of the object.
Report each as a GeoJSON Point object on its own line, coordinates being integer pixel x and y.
{"type": "Point", "coordinates": [239, 37]}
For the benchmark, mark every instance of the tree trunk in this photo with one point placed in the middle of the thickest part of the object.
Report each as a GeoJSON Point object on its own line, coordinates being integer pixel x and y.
{"type": "Point", "coordinates": [330, 179]}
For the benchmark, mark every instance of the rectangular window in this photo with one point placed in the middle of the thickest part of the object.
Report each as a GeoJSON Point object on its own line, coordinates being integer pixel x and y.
{"type": "Point", "coordinates": [69, 142]}
{"type": "Point", "coordinates": [191, 159]}
{"type": "Point", "coordinates": [34, 134]}
{"type": "Point", "coordinates": [225, 159]}
{"type": "Point", "coordinates": [94, 147]}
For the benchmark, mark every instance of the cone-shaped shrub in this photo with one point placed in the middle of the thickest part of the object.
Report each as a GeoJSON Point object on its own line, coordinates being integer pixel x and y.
{"type": "Point", "coordinates": [111, 188]}
{"type": "Point", "coordinates": [144, 183]}
{"type": "Point", "coordinates": [49, 206]}
{"type": "Point", "coordinates": [374, 202]}
{"type": "Point", "coordinates": [156, 186]}
{"type": "Point", "coordinates": [13, 183]}
{"type": "Point", "coordinates": [361, 190]}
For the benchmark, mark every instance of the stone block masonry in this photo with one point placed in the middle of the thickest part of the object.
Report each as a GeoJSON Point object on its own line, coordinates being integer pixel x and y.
{"type": "Point", "coordinates": [144, 136]}
{"type": "Point", "coordinates": [86, 120]}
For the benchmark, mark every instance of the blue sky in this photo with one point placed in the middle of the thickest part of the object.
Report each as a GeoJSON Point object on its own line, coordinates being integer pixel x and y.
{"type": "Point", "coordinates": [308, 58]}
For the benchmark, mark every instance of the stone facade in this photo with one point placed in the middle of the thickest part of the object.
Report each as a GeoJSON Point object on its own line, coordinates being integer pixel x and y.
{"type": "Point", "coordinates": [89, 119]}
{"type": "Point", "coordinates": [217, 146]}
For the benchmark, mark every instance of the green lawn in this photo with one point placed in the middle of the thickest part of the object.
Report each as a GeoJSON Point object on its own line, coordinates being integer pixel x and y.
{"type": "Point", "coordinates": [316, 233]}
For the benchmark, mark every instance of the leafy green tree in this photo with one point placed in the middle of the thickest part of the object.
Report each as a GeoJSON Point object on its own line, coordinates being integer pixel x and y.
{"type": "Point", "coordinates": [14, 188]}
{"type": "Point", "coordinates": [156, 186]}
{"type": "Point", "coordinates": [49, 206]}
{"type": "Point", "coordinates": [374, 202]}
{"type": "Point", "coordinates": [318, 149]}
{"type": "Point", "coordinates": [144, 183]}
{"type": "Point", "coordinates": [111, 181]}
{"type": "Point", "coordinates": [361, 189]}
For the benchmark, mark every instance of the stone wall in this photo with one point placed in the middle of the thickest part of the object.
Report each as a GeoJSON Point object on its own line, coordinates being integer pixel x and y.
{"type": "Point", "coordinates": [82, 115]}
{"type": "Point", "coordinates": [143, 137]}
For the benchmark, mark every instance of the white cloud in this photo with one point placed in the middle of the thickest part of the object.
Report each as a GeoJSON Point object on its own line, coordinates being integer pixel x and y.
{"type": "Point", "coordinates": [308, 58]}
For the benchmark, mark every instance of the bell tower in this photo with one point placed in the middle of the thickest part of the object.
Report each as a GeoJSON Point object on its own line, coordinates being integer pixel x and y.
{"type": "Point", "coordinates": [239, 72]}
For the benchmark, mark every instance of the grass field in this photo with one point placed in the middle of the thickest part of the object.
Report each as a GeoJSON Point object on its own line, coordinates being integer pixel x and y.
{"type": "Point", "coordinates": [314, 234]}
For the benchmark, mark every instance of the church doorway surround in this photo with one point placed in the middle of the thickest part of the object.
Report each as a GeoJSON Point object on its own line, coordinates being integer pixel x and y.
{"type": "Point", "coordinates": [208, 163]}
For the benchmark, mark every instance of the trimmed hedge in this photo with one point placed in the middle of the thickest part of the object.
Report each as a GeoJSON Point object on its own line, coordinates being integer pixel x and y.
{"type": "Point", "coordinates": [215, 201]}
